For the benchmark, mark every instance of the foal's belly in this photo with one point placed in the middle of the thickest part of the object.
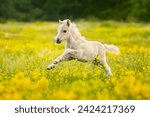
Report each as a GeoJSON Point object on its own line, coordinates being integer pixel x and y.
{"type": "Point", "coordinates": [89, 52]}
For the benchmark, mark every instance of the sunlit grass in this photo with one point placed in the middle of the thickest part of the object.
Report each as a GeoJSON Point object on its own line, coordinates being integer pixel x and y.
{"type": "Point", "coordinates": [27, 48]}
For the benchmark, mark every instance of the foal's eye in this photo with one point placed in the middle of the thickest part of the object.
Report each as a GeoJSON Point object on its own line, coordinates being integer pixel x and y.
{"type": "Point", "coordinates": [64, 31]}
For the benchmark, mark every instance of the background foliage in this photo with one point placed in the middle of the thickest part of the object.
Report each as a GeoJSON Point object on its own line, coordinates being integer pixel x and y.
{"type": "Point", "coordinates": [26, 49]}
{"type": "Point", "coordinates": [30, 10]}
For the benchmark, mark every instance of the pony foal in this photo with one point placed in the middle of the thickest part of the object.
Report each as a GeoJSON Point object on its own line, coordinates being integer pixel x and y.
{"type": "Point", "coordinates": [77, 47]}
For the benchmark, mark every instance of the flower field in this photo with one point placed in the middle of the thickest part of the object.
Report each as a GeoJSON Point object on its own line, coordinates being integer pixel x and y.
{"type": "Point", "coordinates": [26, 49]}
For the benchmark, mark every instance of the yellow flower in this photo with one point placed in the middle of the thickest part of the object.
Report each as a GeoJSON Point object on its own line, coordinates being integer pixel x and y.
{"type": "Point", "coordinates": [21, 82]}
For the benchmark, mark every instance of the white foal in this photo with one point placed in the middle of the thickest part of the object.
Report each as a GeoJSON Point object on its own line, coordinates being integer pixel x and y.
{"type": "Point", "coordinates": [77, 47]}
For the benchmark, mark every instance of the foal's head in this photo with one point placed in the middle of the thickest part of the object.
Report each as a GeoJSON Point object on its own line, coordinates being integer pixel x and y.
{"type": "Point", "coordinates": [63, 31]}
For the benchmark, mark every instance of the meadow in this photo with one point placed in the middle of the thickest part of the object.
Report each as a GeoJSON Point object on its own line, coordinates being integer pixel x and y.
{"type": "Point", "coordinates": [26, 49]}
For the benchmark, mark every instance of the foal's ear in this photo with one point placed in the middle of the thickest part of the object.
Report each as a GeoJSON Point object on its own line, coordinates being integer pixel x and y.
{"type": "Point", "coordinates": [60, 21]}
{"type": "Point", "coordinates": [68, 22]}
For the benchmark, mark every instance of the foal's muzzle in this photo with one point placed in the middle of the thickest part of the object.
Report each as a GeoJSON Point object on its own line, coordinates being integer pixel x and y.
{"type": "Point", "coordinates": [58, 41]}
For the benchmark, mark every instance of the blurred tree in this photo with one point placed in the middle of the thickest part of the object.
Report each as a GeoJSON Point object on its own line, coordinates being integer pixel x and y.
{"type": "Point", "coordinates": [7, 9]}
{"type": "Point", "coordinates": [140, 10]}
{"type": "Point", "coordinates": [30, 10]}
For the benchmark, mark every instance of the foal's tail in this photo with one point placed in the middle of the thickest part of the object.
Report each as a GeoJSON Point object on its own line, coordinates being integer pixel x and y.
{"type": "Point", "coordinates": [112, 48]}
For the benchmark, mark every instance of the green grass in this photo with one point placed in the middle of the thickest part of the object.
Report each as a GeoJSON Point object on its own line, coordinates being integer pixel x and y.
{"type": "Point", "coordinates": [26, 49]}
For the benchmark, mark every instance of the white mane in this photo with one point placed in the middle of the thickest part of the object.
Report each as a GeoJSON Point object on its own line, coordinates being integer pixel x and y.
{"type": "Point", "coordinates": [76, 32]}
{"type": "Point", "coordinates": [74, 27]}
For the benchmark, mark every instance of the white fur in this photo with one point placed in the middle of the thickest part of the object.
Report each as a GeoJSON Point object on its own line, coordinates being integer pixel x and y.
{"type": "Point", "coordinates": [79, 48]}
{"type": "Point", "coordinates": [112, 48]}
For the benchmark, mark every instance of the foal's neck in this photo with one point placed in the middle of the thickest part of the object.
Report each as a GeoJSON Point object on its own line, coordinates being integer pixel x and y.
{"type": "Point", "coordinates": [75, 38]}
{"type": "Point", "coordinates": [74, 32]}
{"type": "Point", "coordinates": [71, 43]}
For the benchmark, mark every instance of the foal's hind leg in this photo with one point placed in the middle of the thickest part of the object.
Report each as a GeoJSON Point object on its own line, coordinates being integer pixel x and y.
{"type": "Point", "coordinates": [103, 62]}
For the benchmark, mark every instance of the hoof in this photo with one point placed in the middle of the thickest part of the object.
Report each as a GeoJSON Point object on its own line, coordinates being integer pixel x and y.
{"type": "Point", "coordinates": [109, 75]}
{"type": "Point", "coordinates": [50, 67]}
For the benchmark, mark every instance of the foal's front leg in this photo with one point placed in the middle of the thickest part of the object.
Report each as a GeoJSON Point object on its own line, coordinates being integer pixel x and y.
{"type": "Point", "coordinates": [69, 53]}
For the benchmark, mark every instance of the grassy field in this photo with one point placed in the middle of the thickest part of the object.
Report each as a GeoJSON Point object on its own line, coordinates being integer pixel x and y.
{"type": "Point", "coordinates": [27, 48]}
